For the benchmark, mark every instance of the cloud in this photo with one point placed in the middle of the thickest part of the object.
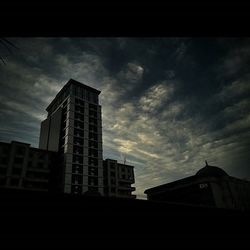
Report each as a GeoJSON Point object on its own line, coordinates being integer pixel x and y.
{"type": "Point", "coordinates": [157, 119]}
{"type": "Point", "coordinates": [180, 51]}
{"type": "Point", "coordinates": [236, 88]}
{"type": "Point", "coordinates": [84, 67]}
{"type": "Point", "coordinates": [132, 73]}
{"type": "Point", "coordinates": [170, 74]}
{"type": "Point", "coordinates": [236, 59]}
{"type": "Point", "coordinates": [155, 96]}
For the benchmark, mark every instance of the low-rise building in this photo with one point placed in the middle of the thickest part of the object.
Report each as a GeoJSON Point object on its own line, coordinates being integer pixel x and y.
{"type": "Point", "coordinates": [210, 186]}
{"type": "Point", "coordinates": [118, 179]}
{"type": "Point", "coordinates": [25, 167]}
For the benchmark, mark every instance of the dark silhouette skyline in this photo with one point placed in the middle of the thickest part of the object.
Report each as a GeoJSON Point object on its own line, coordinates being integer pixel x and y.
{"type": "Point", "coordinates": [168, 103]}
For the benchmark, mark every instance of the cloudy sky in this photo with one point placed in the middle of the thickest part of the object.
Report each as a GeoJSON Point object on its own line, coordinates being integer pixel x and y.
{"type": "Point", "coordinates": [168, 104]}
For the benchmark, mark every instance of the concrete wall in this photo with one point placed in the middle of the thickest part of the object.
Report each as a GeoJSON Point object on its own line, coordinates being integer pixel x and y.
{"type": "Point", "coordinates": [54, 132]}
{"type": "Point", "coordinates": [50, 132]}
{"type": "Point", "coordinates": [44, 134]}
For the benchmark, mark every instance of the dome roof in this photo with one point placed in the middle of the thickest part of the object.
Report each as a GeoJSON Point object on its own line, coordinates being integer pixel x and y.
{"type": "Point", "coordinates": [211, 171]}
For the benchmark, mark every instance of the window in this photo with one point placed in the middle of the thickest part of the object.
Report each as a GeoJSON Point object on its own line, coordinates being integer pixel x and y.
{"type": "Point", "coordinates": [93, 136]}
{"type": "Point", "coordinates": [79, 124]}
{"type": "Point", "coordinates": [20, 150]}
{"type": "Point", "coordinates": [93, 121]}
{"type": "Point", "coordinates": [79, 117]}
{"type": "Point", "coordinates": [37, 175]}
{"type": "Point", "coordinates": [14, 182]}
{"type": "Point", "coordinates": [112, 173]}
{"type": "Point", "coordinates": [93, 181]}
{"type": "Point", "coordinates": [76, 179]}
{"type": "Point", "coordinates": [2, 181]}
{"type": "Point", "coordinates": [42, 156]}
{"type": "Point", "coordinates": [3, 171]}
{"type": "Point", "coordinates": [93, 144]}
{"type": "Point", "coordinates": [95, 99]}
{"type": "Point", "coordinates": [78, 133]}
{"type": "Point", "coordinates": [92, 128]}
{"type": "Point", "coordinates": [92, 113]}
{"type": "Point", "coordinates": [18, 160]}
{"type": "Point", "coordinates": [93, 189]}
{"type": "Point", "coordinates": [77, 159]}
{"type": "Point", "coordinates": [93, 161]}
{"type": "Point", "coordinates": [30, 165]}
{"type": "Point", "coordinates": [40, 165]}
{"type": "Point", "coordinates": [76, 189]}
{"type": "Point", "coordinates": [77, 169]}
{"type": "Point", "coordinates": [93, 152]}
{"type": "Point", "coordinates": [16, 171]}
{"type": "Point", "coordinates": [79, 102]}
{"type": "Point", "coordinates": [79, 109]}
{"type": "Point", "coordinates": [78, 150]}
{"type": "Point", "coordinates": [78, 141]}
{"type": "Point", "coordinates": [87, 95]}
{"type": "Point", "coordinates": [78, 91]}
{"type": "Point", "coordinates": [112, 166]}
{"type": "Point", "coordinates": [130, 175]}
{"type": "Point", "coordinates": [5, 150]}
{"type": "Point", "coordinates": [93, 107]}
{"type": "Point", "coordinates": [93, 171]}
{"type": "Point", "coordinates": [4, 160]}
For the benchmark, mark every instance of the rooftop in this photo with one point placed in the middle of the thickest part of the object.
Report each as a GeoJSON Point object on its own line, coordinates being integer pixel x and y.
{"type": "Point", "coordinates": [207, 171]}
{"type": "Point", "coordinates": [211, 171]}
{"type": "Point", "coordinates": [72, 81]}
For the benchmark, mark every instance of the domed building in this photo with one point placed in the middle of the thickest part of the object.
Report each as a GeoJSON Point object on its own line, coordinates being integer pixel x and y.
{"type": "Point", "coordinates": [209, 171]}
{"type": "Point", "coordinates": [210, 186]}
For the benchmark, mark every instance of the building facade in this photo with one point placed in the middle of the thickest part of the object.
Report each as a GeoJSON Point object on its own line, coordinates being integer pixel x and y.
{"type": "Point", "coordinates": [70, 156]}
{"type": "Point", "coordinates": [73, 128]}
{"type": "Point", "coordinates": [210, 186]}
{"type": "Point", "coordinates": [118, 179]}
{"type": "Point", "coordinates": [24, 167]}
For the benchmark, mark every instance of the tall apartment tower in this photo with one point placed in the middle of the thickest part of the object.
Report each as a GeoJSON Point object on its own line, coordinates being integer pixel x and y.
{"type": "Point", "coordinates": [74, 129]}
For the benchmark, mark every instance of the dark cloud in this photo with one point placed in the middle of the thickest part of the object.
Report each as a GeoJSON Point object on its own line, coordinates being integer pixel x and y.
{"type": "Point", "coordinates": [168, 103]}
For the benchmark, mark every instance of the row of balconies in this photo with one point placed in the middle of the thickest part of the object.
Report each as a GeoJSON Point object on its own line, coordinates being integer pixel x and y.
{"type": "Point", "coordinates": [78, 180]}
{"type": "Point", "coordinates": [77, 159]}
{"type": "Point", "coordinates": [79, 113]}
{"type": "Point", "coordinates": [79, 122]}
{"type": "Point", "coordinates": [90, 172]}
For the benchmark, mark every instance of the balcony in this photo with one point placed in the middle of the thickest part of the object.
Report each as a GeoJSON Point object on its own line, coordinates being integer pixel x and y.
{"type": "Point", "coordinates": [38, 170]}
{"type": "Point", "coordinates": [93, 144]}
{"type": "Point", "coordinates": [78, 141]}
{"type": "Point", "coordinates": [92, 121]}
{"type": "Point", "coordinates": [129, 188]}
{"type": "Point", "coordinates": [79, 117]}
{"type": "Point", "coordinates": [79, 109]}
{"type": "Point", "coordinates": [93, 136]}
{"type": "Point", "coordinates": [92, 114]}
{"type": "Point", "coordinates": [29, 179]}
{"type": "Point", "coordinates": [131, 181]}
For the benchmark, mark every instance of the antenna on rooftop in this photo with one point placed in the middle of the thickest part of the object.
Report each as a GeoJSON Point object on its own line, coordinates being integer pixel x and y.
{"type": "Point", "coordinates": [206, 162]}
{"type": "Point", "coordinates": [124, 160]}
